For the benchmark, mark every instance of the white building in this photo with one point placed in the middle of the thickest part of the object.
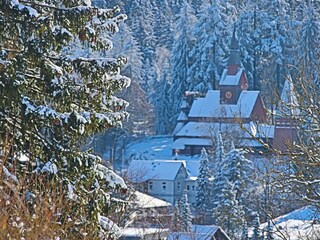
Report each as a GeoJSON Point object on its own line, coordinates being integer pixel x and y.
{"type": "Point", "coordinates": [163, 179]}
{"type": "Point", "coordinates": [166, 179]}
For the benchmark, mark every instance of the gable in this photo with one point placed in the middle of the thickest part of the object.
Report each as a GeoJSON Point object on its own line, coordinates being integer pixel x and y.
{"type": "Point", "coordinates": [259, 113]}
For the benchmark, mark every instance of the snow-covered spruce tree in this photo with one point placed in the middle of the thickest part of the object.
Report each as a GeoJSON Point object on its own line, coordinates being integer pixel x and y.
{"type": "Point", "coordinates": [209, 52]}
{"type": "Point", "coordinates": [52, 99]}
{"type": "Point", "coordinates": [308, 50]}
{"type": "Point", "coordinates": [230, 187]}
{"type": "Point", "coordinates": [185, 214]}
{"type": "Point", "coordinates": [164, 23]}
{"type": "Point", "coordinates": [265, 46]}
{"type": "Point", "coordinates": [256, 230]}
{"type": "Point", "coordinates": [219, 154]}
{"type": "Point", "coordinates": [126, 45]}
{"type": "Point", "coordinates": [163, 125]}
{"type": "Point", "coordinates": [228, 213]}
{"type": "Point", "coordinates": [203, 188]}
{"type": "Point", "coordinates": [142, 24]}
{"type": "Point", "coordinates": [279, 42]}
{"type": "Point", "coordinates": [238, 170]}
{"type": "Point", "coordinates": [248, 41]}
{"type": "Point", "coordinates": [180, 60]}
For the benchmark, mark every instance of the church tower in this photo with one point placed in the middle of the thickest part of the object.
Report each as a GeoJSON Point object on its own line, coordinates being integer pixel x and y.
{"type": "Point", "coordinates": [233, 80]}
{"type": "Point", "coordinates": [285, 126]}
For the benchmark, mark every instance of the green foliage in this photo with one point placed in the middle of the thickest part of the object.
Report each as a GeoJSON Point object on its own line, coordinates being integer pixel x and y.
{"type": "Point", "coordinates": [53, 97]}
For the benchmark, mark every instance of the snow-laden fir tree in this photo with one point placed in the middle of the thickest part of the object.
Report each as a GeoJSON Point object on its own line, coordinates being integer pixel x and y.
{"type": "Point", "coordinates": [244, 233]}
{"type": "Point", "coordinates": [143, 28]}
{"type": "Point", "coordinates": [202, 203]}
{"type": "Point", "coordinates": [163, 108]}
{"type": "Point", "coordinates": [164, 23]}
{"type": "Point", "coordinates": [231, 188]}
{"type": "Point", "coordinates": [280, 41]}
{"type": "Point", "coordinates": [209, 51]}
{"type": "Point", "coordinates": [52, 99]}
{"type": "Point", "coordinates": [185, 213]}
{"type": "Point", "coordinates": [180, 60]}
{"type": "Point", "coordinates": [219, 154]}
{"type": "Point", "coordinates": [308, 50]}
{"type": "Point", "coordinates": [250, 41]}
{"type": "Point", "coordinates": [238, 170]}
{"type": "Point", "coordinates": [228, 213]}
{"type": "Point", "coordinates": [126, 45]}
{"type": "Point", "coordinates": [256, 230]}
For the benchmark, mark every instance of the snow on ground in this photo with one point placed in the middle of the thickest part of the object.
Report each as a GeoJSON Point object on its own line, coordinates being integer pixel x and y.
{"type": "Point", "coordinates": [138, 233]}
{"type": "Point", "coordinates": [151, 148]}
{"type": "Point", "coordinates": [303, 223]}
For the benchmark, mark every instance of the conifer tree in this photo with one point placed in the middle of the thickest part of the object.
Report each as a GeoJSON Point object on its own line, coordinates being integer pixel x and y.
{"type": "Point", "coordinates": [210, 49]}
{"type": "Point", "coordinates": [163, 125]}
{"type": "Point", "coordinates": [219, 153]}
{"type": "Point", "coordinates": [228, 213]}
{"type": "Point", "coordinates": [203, 186]}
{"type": "Point", "coordinates": [180, 61]}
{"type": "Point", "coordinates": [256, 231]}
{"type": "Point", "coordinates": [144, 32]}
{"type": "Point", "coordinates": [238, 170]}
{"type": "Point", "coordinates": [185, 212]}
{"type": "Point", "coordinates": [52, 99]}
{"type": "Point", "coordinates": [308, 51]}
{"type": "Point", "coordinates": [230, 191]}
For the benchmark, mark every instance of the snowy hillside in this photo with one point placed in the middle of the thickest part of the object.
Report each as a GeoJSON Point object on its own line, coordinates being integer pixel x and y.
{"type": "Point", "coordinates": [300, 224]}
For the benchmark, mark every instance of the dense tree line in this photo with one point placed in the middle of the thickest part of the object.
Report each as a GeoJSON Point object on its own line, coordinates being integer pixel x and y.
{"type": "Point", "coordinates": [187, 41]}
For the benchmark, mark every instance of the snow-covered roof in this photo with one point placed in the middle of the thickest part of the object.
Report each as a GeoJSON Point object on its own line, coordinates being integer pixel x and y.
{"type": "Point", "coordinates": [181, 143]}
{"type": "Point", "coordinates": [142, 200]}
{"type": "Point", "coordinates": [206, 130]}
{"type": "Point", "coordinates": [182, 116]}
{"type": "Point", "coordinates": [178, 127]}
{"type": "Point", "coordinates": [296, 225]}
{"type": "Point", "coordinates": [250, 143]}
{"type": "Point", "coordinates": [231, 80]}
{"type": "Point", "coordinates": [202, 133]}
{"type": "Point", "coordinates": [199, 232]}
{"type": "Point", "coordinates": [202, 130]}
{"type": "Point", "coordinates": [210, 106]}
{"type": "Point", "coordinates": [193, 168]}
{"type": "Point", "coordinates": [155, 169]}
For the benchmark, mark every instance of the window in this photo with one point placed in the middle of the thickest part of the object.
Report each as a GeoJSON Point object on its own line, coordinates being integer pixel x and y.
{"type": "Point", "coordinates": [188, 187]}
{"type": "Point", "coordinates": [150, 185]}
{"type": "Point", "coordinates": [192, 187]}
{"type": "Point", "coordinates": [164, 186]}
{"type": "Point", "coordinates": [179, 186]}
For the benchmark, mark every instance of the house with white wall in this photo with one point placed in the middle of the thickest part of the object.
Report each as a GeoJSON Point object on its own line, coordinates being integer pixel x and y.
{"type": "Point", "coordinates": [163, 179]}
{"type": "Point", "coordinates": [166, 179]}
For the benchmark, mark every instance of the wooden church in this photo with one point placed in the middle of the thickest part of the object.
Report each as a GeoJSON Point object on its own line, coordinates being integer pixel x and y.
{"type": "Point", "coordinates": [233, 111]}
